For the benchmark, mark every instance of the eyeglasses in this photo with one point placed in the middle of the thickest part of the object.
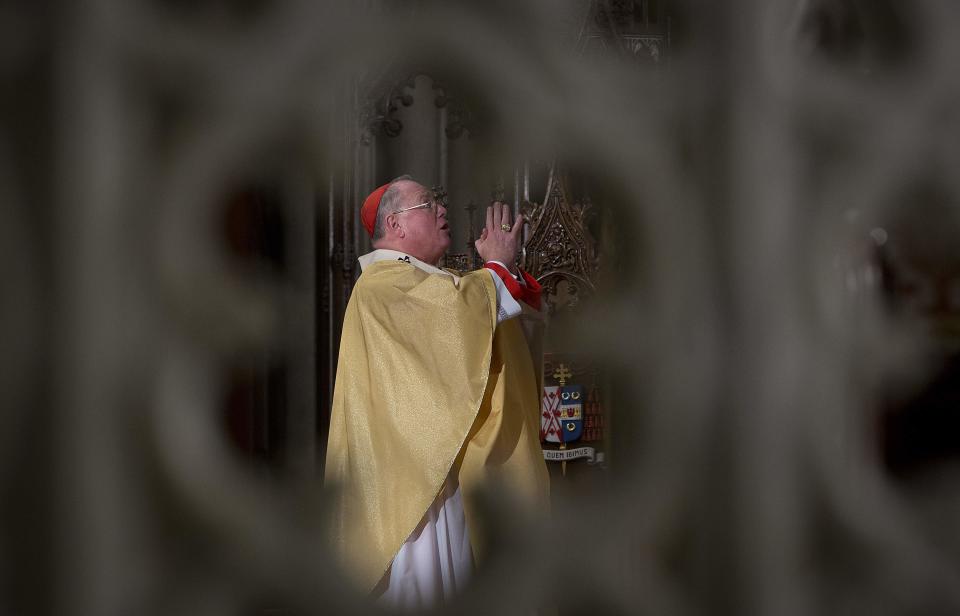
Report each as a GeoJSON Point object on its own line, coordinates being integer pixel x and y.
{"type": "Point", "coordinates": [428, 205]}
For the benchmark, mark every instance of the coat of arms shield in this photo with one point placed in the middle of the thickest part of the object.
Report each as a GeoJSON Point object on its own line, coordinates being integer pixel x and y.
{"type": "Point", "coordinates": [571, 413]}
{"type": "Point", "coordinates": [550, 415]}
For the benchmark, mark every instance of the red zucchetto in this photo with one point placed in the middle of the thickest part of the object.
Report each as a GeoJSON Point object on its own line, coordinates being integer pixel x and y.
{"type": "Point", "coordinates": [368, 213]}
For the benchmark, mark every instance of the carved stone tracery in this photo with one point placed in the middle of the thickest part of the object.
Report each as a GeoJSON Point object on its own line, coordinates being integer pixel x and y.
{"type": "Point", "coordinates": [629, 28]}
{"type": "Point", "coordinates": [378, 112]}
{"type": "Point", "coordinates": [379, 107]}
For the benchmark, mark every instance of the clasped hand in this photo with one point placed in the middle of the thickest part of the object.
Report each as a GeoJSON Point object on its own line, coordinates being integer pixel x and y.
{"type": "Point", "coordinates": [500, 240]}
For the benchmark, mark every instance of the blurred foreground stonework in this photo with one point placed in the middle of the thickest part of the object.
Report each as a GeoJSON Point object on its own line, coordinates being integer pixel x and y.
{"type": "Point", "coordinates": [775, 308]}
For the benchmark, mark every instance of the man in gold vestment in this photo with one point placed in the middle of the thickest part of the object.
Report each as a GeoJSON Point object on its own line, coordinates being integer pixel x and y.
{"type": "Point", "coordinates": [436, 396]}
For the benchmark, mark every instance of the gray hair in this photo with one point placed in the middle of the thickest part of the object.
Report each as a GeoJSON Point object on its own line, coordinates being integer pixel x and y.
{"type": "Point", "coordinates": [389, 203]}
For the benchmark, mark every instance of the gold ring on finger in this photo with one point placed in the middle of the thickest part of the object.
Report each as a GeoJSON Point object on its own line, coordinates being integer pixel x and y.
{"type": "Point", "coordinates": [505, 227]}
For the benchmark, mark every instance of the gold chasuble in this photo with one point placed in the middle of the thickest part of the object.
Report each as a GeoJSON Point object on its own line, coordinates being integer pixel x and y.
{"type": "Point", "coordinates": [427, 383]}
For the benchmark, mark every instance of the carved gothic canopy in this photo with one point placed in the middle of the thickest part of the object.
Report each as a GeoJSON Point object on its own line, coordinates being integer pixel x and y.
{"type": "Point", "coordinates": [560, 252]}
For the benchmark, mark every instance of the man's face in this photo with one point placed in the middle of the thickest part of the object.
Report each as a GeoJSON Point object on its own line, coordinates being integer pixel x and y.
{"type": "Point", "coordinates": [426, 234]}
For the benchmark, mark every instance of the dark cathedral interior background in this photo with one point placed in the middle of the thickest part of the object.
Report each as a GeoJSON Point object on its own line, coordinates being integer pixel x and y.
{"type": "Point", "coordinates": [745, 217]}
